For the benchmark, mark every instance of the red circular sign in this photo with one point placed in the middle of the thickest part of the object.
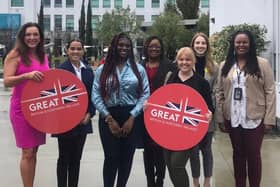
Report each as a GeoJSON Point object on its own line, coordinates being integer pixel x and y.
{"type": "Point", "coordinates": [175, 117]}
{"type": "Point", "coordinates": [55, 105]}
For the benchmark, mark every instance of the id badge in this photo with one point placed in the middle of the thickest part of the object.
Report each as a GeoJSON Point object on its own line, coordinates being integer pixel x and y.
{"type": "Point", "coordinates": [237, 94]}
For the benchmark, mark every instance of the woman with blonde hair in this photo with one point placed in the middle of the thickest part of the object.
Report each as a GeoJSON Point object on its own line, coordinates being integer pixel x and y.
{"type": "Point", "coordinates": [207, 68]}
{"type": "Point", "coordinates": [176, 160]}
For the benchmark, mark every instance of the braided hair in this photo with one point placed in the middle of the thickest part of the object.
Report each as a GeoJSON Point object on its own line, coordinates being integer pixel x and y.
{"type": "Point", "coordinates": [108, 79]}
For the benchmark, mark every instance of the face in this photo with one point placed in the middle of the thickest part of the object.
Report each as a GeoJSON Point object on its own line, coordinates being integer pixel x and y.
{"type": "Point", "coordinates": [185, 63]}
{"type": "Point", "coordinates": [32, 37]}
{"type": "Point", "coordinates": [75, 51]}
{"type": "Point", "coordinates": [241, 44]}
{"type": "Point", "coordinates": [123, 48]}
{"type": "Point", "coordinates": [200, 46]}
{"type": "Point", "coordinates": [154, 49]}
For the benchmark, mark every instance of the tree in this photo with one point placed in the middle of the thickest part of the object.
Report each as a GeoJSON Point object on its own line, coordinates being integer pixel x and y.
{"type": "Point", "coordinates": [41, 16]}
{"type": "Point", "coordinates": [170, 7]}
{"type": "Point", "coordinates": [188, 8]}
{"type": "Point", "coordinates": [220, 40]}
{"type": "Point", "coordinates": [119, 20]}
{"type": "Point", "coordinates": [203, 24]}
{"type": "Point", "coordinates": [167, 27]}
{"type": "Point", "coordinates": [82, 23]}
{"type": "Point", "coordinates": [88, 38]}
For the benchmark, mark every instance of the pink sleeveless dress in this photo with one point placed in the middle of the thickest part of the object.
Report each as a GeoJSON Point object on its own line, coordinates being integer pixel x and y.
{"type": "Point", "coordinates": [25, 135]}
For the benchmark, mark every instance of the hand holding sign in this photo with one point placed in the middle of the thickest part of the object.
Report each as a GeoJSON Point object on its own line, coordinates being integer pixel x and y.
{"type": "Point", "coordinates": [175, 117]}
{"type": "Point", "coordinates": [56, 104]}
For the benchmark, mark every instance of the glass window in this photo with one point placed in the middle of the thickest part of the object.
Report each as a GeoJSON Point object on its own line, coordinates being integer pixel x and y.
{"type": "Point", "coordinates": [69, 3]}
{"type": "Point", "coordinates": [155, 3]}
{"type": "Point", "coordinates": [106, 3]}
{"type": "Point", "coordinates": [94, 22]}
{"type": "Point", "coordinates": [17, 3]}
{"type": "Point", "coordinates": [58, 22]}
{"type": "Point", "coordinates": [47, 3]}
{"type": "Point", "coordinates": [154, 17]}
{"type": "Point", "coordinates": [204, 3]}
{"type": "Point", "coordinates": [95, 3]}
{"type": "Point", "coordinates": [69, 23]}
{"type": "Point", "coordinates": [57, 3]}
{"type": "Point", "coordinates": [47, 23]}
{"type": "Point", "coordinates": [140, 18]}
{"type": "Point", "coordinates": [140, 3]}
{"type": "Point", "coordinates": [118, 3]}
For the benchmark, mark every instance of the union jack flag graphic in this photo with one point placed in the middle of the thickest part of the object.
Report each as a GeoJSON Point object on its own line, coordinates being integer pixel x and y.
{"type": "Point", "coordinates": [66, 94]}
{"type": "Point", "coordinates": [190, 115]}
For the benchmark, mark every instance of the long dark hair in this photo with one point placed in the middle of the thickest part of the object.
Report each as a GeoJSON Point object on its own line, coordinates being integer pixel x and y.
{"type": "Point", "coordinates": [23, 49]}
{"type": "Point", "coordinates": [108, 77]}
{"type": "Point", "coordinates": [147, 43]}
{"type": "Point", "coordinates": [252, 66]}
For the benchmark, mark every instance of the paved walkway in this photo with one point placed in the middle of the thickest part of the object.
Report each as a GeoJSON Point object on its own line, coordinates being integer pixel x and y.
{"type": "Point", "coordinates": [91, 165]}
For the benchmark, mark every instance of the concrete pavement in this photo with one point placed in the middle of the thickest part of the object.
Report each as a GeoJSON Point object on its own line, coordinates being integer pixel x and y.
{"type": "Point", "coordinates": [91, 165]}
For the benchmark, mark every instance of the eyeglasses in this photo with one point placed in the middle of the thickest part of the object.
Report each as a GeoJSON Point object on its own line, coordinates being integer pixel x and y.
{"type": "Point", "coordinates": [154, 47]}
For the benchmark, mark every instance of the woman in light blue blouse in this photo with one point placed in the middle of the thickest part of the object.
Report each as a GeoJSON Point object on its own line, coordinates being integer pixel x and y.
{"type": "Point", "coordinates": [119, 91]}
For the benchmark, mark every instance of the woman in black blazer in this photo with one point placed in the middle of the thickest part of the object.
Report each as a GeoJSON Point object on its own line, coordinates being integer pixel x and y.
{"type": "Point", "coordinates": [158, 67]}
{"type": "Point", "coordinates": [71, 143]}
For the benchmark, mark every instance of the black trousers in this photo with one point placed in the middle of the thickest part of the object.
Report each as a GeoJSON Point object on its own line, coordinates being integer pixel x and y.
{"type": "Point", "coordinates": [154, 163]}
{"type": "Point", "coordinates": [68, 164]}
{"type": "Point", "coordinates": [205, 145]}
{"type": "Point", "coordinates": [118, 152]}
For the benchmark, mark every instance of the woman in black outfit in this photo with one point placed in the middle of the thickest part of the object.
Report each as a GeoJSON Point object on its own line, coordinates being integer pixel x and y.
{"type": "Point", "coordinates": [176, 160]}
{"type": "Point", "coordinates": [157, 67]}
{"type": "Point", "coordinates": [71, 143]}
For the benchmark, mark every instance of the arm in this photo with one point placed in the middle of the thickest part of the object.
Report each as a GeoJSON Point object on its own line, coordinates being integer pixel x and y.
{"type": "Point", "coordinates": [144, 95]}
{"type": "Point", "coordinates": [10, 68]}
{"type": "Point", "coordinates": [206, 94]}
{"type": "Point", "coordinates": [220, 98]}
{"type": "Point", "coordinates": [127, 127]}
{"type": "Point", "coordinates": [99, 104]}
{"type": "Point", "coordinates": [88, 83]}
{"type": "Point", "coordinates": [269, 92]}
{"type": "Point", "coordinates": [96, 97]}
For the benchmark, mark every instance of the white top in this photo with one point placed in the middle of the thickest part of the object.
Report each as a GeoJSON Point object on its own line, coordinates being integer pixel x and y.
{"type": "Point", "coordinates": [78, 70]}
{"type": "Point", "coordinates": [238, 107]}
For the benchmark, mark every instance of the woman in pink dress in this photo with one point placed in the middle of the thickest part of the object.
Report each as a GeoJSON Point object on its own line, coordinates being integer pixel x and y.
{"type": "Point", "coordinates": [25, 62]}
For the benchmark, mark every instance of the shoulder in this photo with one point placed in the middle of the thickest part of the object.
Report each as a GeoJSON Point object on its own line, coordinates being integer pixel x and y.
{"type": "Point", "coordinates": [166, 65]}
{"type": "Point", "coordinates": [65, 65]}
{"type": "Point", "coordinates": [201, 79]}
{"type": "Point", "coordinates": [216, 66]}
{"type": "Point", "coordinates": [87, 66]}
{"type": "Point", "coordinates": [13, 55]}
{"type": "Point", "coordinates": [262, 61]}
{"type": "Point", "coordinates": [98, 70]}
{"type": "Point", "coordinates": [140, 67]}
{"type": "Point", "coordinates": [222, 63]}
